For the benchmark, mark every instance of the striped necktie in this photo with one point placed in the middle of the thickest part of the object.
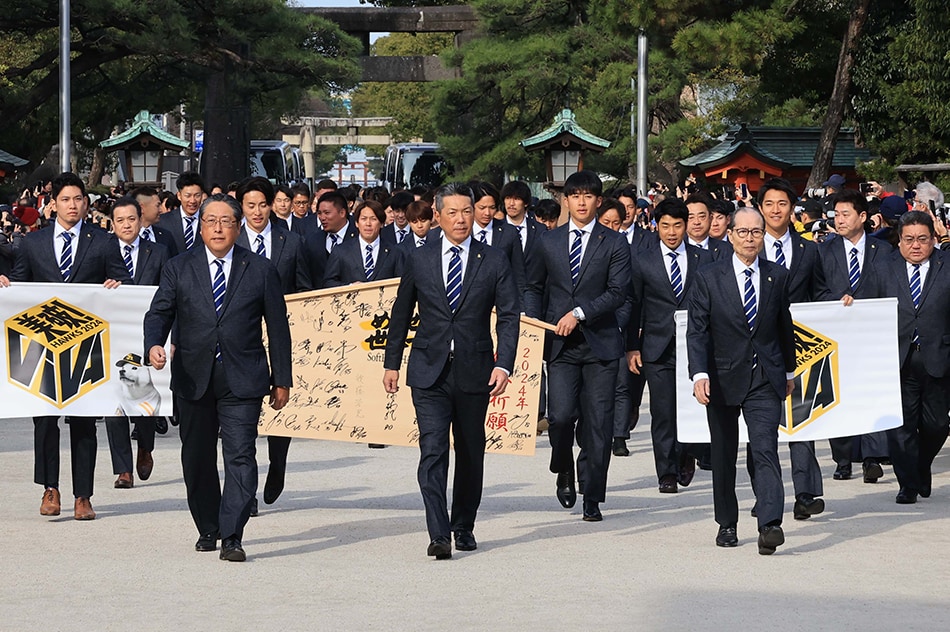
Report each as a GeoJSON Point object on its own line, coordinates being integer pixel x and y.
{"type": "Point", "coordinates": [401, 235]}
{"type": "Point", "coordinates": [420, 242]}
{"type": "Point", "coordinates": [779, 254]}
{"type": "Point", "coordinates": [453, 285]}
{"type": "Point", "coordinates": [261, 250]}
{"type": "Point", "coordinates": [750, 310]}
{"type": "Point", "coordinates": [66, 259]}
{"type": "Point", "coordinates": [575, 255]}
{"type": "Point", "coordinates": [128, 260]}
{"type": "Point", "coordinates": [147, 234]}
{"type": "Point", "coordinates": [189, 232]}
{"type": "Point", "coordinates": [854, 270]}
{"type": "Point", "coordinates": [915, 295]}
{"type": "Point", "coordinates": [368, 264]}
{"type": "Point", "coordinates": [333, 239]}
{"type": "Point", "coordinates": [676, 276]}
{"type": "Point", "coordinates": [521, 239]}
{"type": "Point", "coordinates": [218, 288]}
{"type": "Point", "coordinates": [483, 236]}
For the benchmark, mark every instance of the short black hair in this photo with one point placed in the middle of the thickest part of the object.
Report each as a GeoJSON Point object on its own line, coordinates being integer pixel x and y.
{"type": "Point", "coordinates": [420, 209]}
{"type": "Point", "coordinates": [257, 183]}
{"type": "Point", "coordinates": [128, 200]}
{"type": "Point", "coordinates": [377, 194]}
{"type": "Point", "coordinates": [585, 181]}
{"type": "Point", "coordinates": [335, 198]}
{"type": "Point", "coordinates": [612, 204]}
{"type": "Point", "coordinates": [283, 188]}
{"type": "Point", "coordinates": [227, 199]}
{"type": "Point", "coordinates": [326, 184]}
{"type": "Point", "coordinates": [517, 189]}
{"type": "Point", "coordinates": [918, 218]}
{"type": "Point", "coordinates": [673, 207]}
{"type": "Point", "coordinates": [145, 191]}
{"type": "Point", "coordinates": [547, 209]}
{"type": "Point", "coordinates": [778, 184]}
{"type": "Point", "coordinates": [700, 198]}
{"type": "Point", "coordinates": [484, 189]}
{"type": "Point", "coordinates": [300, 189]}
{"type": "Point", "coordinates": [67, 179]}
{"type": "Point", "coordinates": [375, 207]}
{"type": "Point", "coordinates": [399, 201]}
{"type": "Point", "coordinates": [853, 197]}
{"type": "Point", "coordinates": [190, 178]}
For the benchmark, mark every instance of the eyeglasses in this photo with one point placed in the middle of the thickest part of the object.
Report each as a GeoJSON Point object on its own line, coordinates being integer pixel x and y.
{"type": "Point", "coordinates": [301, 203]}
{"type": "Point", "coordinates": [224, 222]}
{"type": "Point", "coordinates": [743, 233]}
{"type": "Point", "coordinates": [920, 239]}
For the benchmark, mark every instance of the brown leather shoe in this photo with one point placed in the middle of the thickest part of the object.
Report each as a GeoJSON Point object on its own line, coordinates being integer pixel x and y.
{"type": "Point", "coordinates": [143, 464]}
{"type": "Point", "coordinates": [83, 509]}
{"type": "Point", "coordinates": [50, 505]}
{"type": "Point", "coordinates": [124, 481]}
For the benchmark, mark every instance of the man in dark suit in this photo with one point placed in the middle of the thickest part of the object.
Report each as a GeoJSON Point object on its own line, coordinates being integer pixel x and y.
{"type": "Point", "coordinates": [151, 206]}
{"type": "Point", "coordinates": [67, 252]}
{"type": "Point", "coordinates": [848, 264]}
{"type": "Point", "coordinates": [398, 230]}
{"type": "Point", "coordinates": [663, 275]}
{"type": "Point", "coordinates": [368, 257]}
{"type": "Point", "coordinates": [263, 236]}
{"type": "Point", "coordinates": [741, 349]}
{"type": "Point", "coordinates": [334, 229]}
{"type": "Point", "coordinates": [516, 196]}
{"type": "Point", "coordinates": [300, 221]}
{"type": "Point", "coordinates": [919, 277]}
{"type": "Point", "coordinates": [455, 282]}
{"type": "Point", "coordinates": [700, 221]}
{"type": "Point", "coordinates": [144, 261]}
{"type": "Point", "coordinates": [585, 269]}
{"type": "Point", "coordinates": [498, 234]}
{"type": "Point", "coordinates": [183, 223]}
{"type": "Point", "coordinates": [805, 283]}
{"type": "Point", "coordinates": [220, 368]}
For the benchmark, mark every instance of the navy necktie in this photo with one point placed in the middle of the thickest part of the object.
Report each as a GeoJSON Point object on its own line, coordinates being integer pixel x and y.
{"type": "Point", "coordinates": [401, 235]}
{"type": "Point", "coordinates": [261, 249]}
{"type": "Point", "coordinates": [218, 288]}
{"type": "Point", "coordinates": [575, 255]}
{"type": "Point", "coordinates": [368, 264]}
{"type": "Point", "coordinates": [854, 270]}
{"type": "Point", "coordinates": [915, 295]}
{"type": "Point", "coordinates": [128, 260]}
{"type": "Point", "coordinates": [333, 240]}
{"type": "Point", "coordinates": [483, 236]}
{"type": "Point", "coordinates": [453, 285]}
{"type": "Point", "coordinates": [779, 254]}
{"type": "Point", "coordinates": [189, 232]}
{"type": "Point", "coordinates": [748, 304]}
{"type": "Point", "coordinates": [147, 234]}
{"type": "Point", "coordinates": [66, 259]}
{"type": "Point", "coordinates": [676, 276]}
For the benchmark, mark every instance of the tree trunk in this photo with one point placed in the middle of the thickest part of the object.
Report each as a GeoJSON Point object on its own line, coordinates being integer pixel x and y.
{"type": "Point", "coordinates": [839, 95]}
{"type": "Point", "coordinates": [227, 124]}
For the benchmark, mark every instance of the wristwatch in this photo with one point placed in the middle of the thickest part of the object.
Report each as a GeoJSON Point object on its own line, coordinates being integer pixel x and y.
{"type": "Point", "coordinates": [576, 313]}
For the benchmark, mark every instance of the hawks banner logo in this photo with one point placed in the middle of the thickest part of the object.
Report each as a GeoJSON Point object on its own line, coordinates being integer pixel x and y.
{"type": "Point", "coordinates": [816, 379]}
{"type": "Point", "coordinates": [57, 351]}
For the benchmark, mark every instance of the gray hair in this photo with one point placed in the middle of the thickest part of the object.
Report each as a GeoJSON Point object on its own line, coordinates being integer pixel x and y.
{"type": "Point", "coordinates": [745, 209]}
{"type": "Point", "coordinates": [227, 199]}
{"type": "Point", "coordinates": [450, 189]}
{"type": "Point", "coordinates": [927, 191]}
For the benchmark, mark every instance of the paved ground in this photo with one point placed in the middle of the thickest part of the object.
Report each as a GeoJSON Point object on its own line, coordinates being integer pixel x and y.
{"type": "Point", "coordinates": [344, 549]}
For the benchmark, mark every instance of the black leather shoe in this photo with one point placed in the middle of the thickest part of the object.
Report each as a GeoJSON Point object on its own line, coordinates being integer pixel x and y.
{"type": "Point", "coordinates": [807, 506]}
{"type": "Point", "coordinates": [566, 493]}
{"type": "Point", "coordinates": [926, 480]}
{"type": "Point", "coordinates": [254, 509]}
{"type": "Point", "coordinates": [440, 548]}
{"type": "Point", "coordinates": [274, 484]}
{"type": "Point", "coordinates": [872, 471]}
{"type": "Point", "coordinates": [465, 541]}
{"type": "Point", "coordinates": [687, 471]}
{"type": "Point", "coordinates": [620, 447]}
{"type": "Point", "coordinates": [755, 511]}
{"type": "Point", "coordinates": [592, 511]}
{"type": "Point", "coordinates": [842, 472]}
{"type": "Point", "coordinates": [906, 496]}
{"type": "Point", "coordinates": [207, 542]}
{"type": "Point", "coordinates": [727, 537]}
{"type": "Point", "coordinates": [770, 538]}
{"type": "Point", "coordinates": [232, 551]}
{"type": "Point", "coordinates": [668, 484]}
{"type": "Point", "coordinates": [161, 425]}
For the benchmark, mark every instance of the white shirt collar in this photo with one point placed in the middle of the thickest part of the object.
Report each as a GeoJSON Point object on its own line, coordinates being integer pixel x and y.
{"type": "Point", "coordinates": [252, 234]}
{"type": "Point", "coordinates": [588, 228]}
{"type": "Point", "coordinates": [229, 255]}
{"type": "Point", "coordinates": [740, 267]}
{"type": "Point", "coordinates": [447, 245]}
{"type": "Point", "coordinates": [59, 230]}
{"type": "Point", "coordinates": [680, 250]}
{"type": "Point", "coordinates": [364, 243]}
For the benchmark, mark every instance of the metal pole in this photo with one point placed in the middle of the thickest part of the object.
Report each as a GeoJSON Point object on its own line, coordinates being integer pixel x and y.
{"type": "Point", "coordinates": [642, 113]}
{"type": "Point", "coordinates": [632, 168]}
{"type": "Point", "coordinates": [64, 87]}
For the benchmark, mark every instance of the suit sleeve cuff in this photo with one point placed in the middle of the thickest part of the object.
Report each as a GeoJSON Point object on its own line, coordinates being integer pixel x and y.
{"type": "Point", "coordinates": [501, 368]}
{"type": "Point", "coordinates": [790, 376]}
{"type": "Point", "coordinates": [578, 313]}
{"type": "Point", "coordinates": [700, 376]}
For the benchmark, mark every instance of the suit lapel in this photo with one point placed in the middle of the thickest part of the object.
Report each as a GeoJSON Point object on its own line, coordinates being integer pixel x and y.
{"type": "Point", "coordinates": [658, 270]}
{"type": "Point", "coordinates": [730, 288]}
{"type": "Point", "coordinates": [238, 267]}
{"type": "Point", "coordinates": [766, 284]}
{"type": "Point", "coordinates": [475, 256]}
{"type": "Point", "coordinates": [597, 235]}
{"type": "Point", "coordinates": [80, 249]}
{"type": "Point", "coordinates": [243, 239]}
{"type": "Point", "coordinates": [277, 243]}
{"type": "Point", "coordinates": [899, 270]}
{"type": "Point", "coordinates": [202, 272]}
{"type": "Point", "coordinates": [936, 264]}
{"type": "Point", "coordinates": [145, 251]}
{"type": "Point", "coordinates": [382, 257]}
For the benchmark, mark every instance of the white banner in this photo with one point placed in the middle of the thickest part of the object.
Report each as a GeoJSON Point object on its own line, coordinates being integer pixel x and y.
{"type": "Point", "coordinates": [77, 350]}
{"type": "Point", "coordinates": [847, 376]}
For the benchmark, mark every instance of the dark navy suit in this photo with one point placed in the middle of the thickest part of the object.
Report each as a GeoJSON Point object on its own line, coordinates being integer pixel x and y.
{"type": "Point", "coordinates": [582, 367]}
{"type": "Point", "coordinates": [96, 258]}
{"type": "Point", "coordinates": [452, 387]}
{"type": "Point", "coordinates": [346, 264]}
{"type": "Point", "coordinates": [171, 223]}
{"type": "Point", "coordinates": [315, 247]}
{"type": "Point", "coordinates": [223, 394]}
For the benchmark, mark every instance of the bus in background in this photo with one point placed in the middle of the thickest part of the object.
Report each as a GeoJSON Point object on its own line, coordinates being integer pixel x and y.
{"type": "Point", "coordinates": [276, 160]}
{"type": "Point", "coordinates": [411, 164]}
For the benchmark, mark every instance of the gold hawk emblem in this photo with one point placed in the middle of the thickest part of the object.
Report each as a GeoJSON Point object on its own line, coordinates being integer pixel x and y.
{"type": "Point", "coordinates": [56, 351]}
{"type": "Point", "coordinates": [816, 379]}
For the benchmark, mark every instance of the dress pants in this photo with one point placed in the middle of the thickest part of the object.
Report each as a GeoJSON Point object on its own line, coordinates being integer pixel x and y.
{"type": "Point", "coordinates": [277, 448]}
{"type": "Point", "coordinates": [872, 445]}
{"type": "Point", "coordinates": [762, 410]}
{"type": "Point", "coordinates": [439, 407]}
{"type": "Point", "coordinates": [806, 473]}
{"type": "Point", "coordinates": [925, 401]}
{"type": "Point", "coordinates": [577, 376]}
{"type": "Point", "coordinates": [215, 511]}
{"type": "Point", "coordinates": [120, 441]}
{"type": "Point", "coordinates": [661, 378]}
{"type": "Point", "coordinates": [82, 446]}
{"type": "Point", "coordinates": [624, 406]}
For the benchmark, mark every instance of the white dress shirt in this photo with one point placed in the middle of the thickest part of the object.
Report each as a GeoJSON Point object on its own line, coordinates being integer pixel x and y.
{"type": "Point", "coordinates": [59, 242]}
{"type": "Point", "coordinates": [786, 241]}
{"type": "Point", "coordinates": [213, 267]}
{"type": "Point", "coordinates": [252, 238]}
